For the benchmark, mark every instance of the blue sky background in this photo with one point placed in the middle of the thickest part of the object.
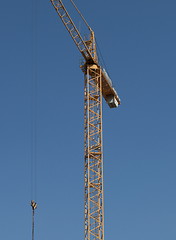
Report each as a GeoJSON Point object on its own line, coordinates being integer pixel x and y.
{"type": "Point", "coordinates": [137, 40]}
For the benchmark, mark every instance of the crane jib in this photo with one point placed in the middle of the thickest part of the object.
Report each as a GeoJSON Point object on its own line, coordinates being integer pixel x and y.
{"type": "Point", "coordinates": [88, 51]}
{"type": "Point", "coordinates": [72, 29]}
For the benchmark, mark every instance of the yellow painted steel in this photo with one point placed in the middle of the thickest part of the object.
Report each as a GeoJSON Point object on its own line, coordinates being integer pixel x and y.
{"type": "Point", "coordinates": [86, 47]}
{"type": "Point", "coordinates": [93, 155]}
{"type": "Point", "coordinates": [95, 86]}
{"type": "Point", "coordinates": [72, 29]}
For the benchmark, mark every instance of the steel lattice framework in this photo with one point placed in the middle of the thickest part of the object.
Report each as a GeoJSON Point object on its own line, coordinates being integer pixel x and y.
{"type": "Point", "coordinates": [93, 155]}
{"type": "Point", "coordinates": [96, 84]}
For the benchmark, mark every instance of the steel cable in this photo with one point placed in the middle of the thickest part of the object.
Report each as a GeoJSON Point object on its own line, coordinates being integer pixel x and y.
{"type": "Point", "coordinates": [34, 112]}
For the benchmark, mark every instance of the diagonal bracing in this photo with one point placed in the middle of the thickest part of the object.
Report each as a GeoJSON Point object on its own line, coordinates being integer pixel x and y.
{"type": "Point", "coordinates": [93, 155]}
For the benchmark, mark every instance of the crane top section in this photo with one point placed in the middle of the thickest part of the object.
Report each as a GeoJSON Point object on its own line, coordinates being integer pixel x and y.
{"type": "Point", "coordinates": [85, 47]}
{"type": "Point", "coordinates": [88, 50]}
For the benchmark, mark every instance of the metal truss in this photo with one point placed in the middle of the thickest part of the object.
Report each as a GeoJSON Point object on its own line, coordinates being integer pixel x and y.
{"type": "Point", "coordinates": [93, 155]}
{"type": "Point", "coordinates": [97, 84]}
{"type": "Point", "coordinates": [72, 29]}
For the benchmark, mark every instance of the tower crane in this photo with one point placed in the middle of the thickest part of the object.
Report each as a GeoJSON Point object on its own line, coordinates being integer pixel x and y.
{"type": "Point", "coordinates": [97, 84]}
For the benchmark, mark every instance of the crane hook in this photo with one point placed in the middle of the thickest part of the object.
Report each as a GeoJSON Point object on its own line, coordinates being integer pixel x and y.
{"type": "Point", "coordinates": [33, 205]}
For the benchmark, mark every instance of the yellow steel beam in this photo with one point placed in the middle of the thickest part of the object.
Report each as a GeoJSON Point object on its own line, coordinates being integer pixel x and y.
{"type": "Point", "coordinates": [93, 157]}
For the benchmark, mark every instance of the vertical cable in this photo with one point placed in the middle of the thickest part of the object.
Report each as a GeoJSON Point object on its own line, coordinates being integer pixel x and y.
{"type": "Point", "coordinates": [34, 112]}
{"type": "Point", "coordinates": [32, 224]}
{"type": "Point", "coordinates": [34, 101]}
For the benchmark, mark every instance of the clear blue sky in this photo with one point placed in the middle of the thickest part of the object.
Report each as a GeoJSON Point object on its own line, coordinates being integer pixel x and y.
{"type": "Point", "coordinates": [138, 43]}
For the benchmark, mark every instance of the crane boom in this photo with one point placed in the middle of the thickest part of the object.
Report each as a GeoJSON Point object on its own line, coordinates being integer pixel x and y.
{"type": "Point", "coordinates": [88, 50]}
{"type": "Point", "coordinates": [73, 31]}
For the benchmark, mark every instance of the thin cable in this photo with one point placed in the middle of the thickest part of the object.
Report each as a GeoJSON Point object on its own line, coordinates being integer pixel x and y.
{"type": "Point", "coordinates": [32, 224]}
{"type": "Point", "coordinates": [34, 101]}
{"type": "Point", "coordinates": [101, 57]}
{"type": "Point", "coordinates": [81, 15]}
{"type": "Point", "coordinates": [34, 206]}
{"type": "Point", "coordinates": [34, 112]}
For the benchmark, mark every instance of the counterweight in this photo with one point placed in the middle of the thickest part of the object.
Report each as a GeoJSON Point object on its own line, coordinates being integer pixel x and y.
{"type": "Point", "coordinates": [97, 84]}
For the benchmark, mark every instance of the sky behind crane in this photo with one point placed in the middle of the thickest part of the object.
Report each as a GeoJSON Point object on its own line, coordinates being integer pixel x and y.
{"type": "Point", "coordinates": [137, 40]}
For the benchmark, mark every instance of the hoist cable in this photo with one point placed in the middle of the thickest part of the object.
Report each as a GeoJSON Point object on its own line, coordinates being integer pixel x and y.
{"type": "Point", "coordinates": [32, 224]}
{"type": "Point", "coordinates": [34, 206]}
{"type": "Point", "coordinates": [34, 101]}
{"type": "Point", "coordinates": [34, 111]}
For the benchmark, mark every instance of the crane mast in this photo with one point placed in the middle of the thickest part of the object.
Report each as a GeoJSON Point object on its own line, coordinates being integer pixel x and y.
{"type": "Point", "coordinates": [96, 85]}
{"type": "Point", "coordinates": [93, 155]}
